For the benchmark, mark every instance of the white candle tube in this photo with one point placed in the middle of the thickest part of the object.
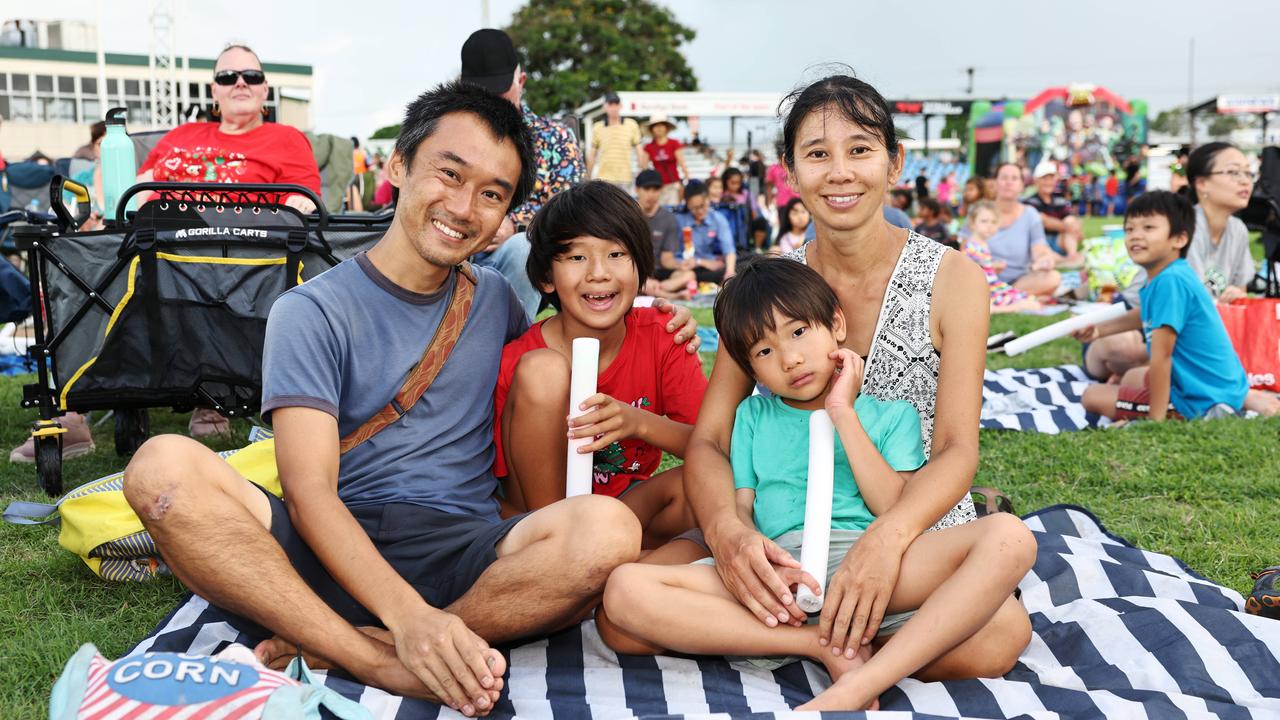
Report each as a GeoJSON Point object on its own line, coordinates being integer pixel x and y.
{"type": "Point", "coordinates": [582, 385]}
{"type": "Point", "coordinates": [817, 508]}
{"type": "Point", "coordinates": [1064, 328]}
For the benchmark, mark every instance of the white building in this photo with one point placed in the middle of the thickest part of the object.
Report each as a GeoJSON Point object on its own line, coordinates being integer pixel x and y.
{"type": "Point", "coordinates": [49, 94]}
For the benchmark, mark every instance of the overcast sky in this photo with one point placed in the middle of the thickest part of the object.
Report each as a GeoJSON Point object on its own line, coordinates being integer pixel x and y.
{"type": "Point", "coordinates": [372, 56]}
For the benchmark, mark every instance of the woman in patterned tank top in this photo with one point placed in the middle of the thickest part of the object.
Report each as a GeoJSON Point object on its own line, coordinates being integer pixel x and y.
{"type": "Point", "coordinates": [841, 152]}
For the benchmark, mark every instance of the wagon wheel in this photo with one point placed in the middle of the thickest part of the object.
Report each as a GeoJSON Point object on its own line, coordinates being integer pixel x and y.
{"type": "Point", "coordinates": [49, 463]}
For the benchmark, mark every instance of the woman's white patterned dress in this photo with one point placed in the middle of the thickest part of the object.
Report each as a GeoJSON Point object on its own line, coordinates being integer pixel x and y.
{"type": "Point", "coordinates": [902, 363]}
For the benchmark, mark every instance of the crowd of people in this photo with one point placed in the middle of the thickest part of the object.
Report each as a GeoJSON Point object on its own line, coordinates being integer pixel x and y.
{"type": "Point", "coordinates": [448, 526]}
{"type": "Point", "coordinates": [410, 545]}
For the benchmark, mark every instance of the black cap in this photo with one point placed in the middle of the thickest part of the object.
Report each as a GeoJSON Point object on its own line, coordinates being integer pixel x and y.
{"type": "Point", "coordinates": [489, 60]}
{"type": "Point", "coordinates": [611, 97]}
{"type": "Point", "coordinates": [648, 178]}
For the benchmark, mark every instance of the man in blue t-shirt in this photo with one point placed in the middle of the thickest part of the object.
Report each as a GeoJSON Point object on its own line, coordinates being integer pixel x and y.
{"type": "Point", "coordinates": [401, 530]}
{"type": "Point", "coordinates": [1193, 366]}
{"type": "Point", "coordinates": [713, 248]}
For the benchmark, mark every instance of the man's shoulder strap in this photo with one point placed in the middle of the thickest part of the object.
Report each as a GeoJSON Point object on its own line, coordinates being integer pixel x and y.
{"type": "Point", "coordinates": [433, 360]}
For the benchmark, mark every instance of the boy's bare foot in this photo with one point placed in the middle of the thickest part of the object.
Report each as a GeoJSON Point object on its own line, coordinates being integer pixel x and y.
{"type": "Point", "coordinates": [837, 666]}
{"type": "Point", "coordinates": [844, 694]}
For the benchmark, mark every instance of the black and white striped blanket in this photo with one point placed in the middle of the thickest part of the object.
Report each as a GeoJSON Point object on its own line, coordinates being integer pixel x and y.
{"type": "Point", "coordinates": [1045, 400]}
{"type": "Point", "coordinates": [1119, 633]}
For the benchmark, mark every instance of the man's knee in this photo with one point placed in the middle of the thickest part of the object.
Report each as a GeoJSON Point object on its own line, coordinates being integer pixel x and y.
{"type": "Point", "coordinates": [603, 532]}
{"type": "Point", "coordinates": [150, 478]}
{"type": "Point", "coordinates": [541, 377]}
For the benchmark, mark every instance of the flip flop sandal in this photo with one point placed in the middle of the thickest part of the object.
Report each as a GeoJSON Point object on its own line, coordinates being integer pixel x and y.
{"type": "Point", "coordinates": [992, 501]}
{"type": "Point", "coordinates": [1264, 601]}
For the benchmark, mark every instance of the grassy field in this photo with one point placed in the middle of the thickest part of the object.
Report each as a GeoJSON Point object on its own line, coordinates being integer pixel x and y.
{"type": "Point", "coordinates": [1201, 491]}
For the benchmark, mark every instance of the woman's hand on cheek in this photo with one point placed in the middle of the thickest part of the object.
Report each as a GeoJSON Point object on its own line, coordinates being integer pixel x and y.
{"type": "Point", "coordinates": [681, 323]}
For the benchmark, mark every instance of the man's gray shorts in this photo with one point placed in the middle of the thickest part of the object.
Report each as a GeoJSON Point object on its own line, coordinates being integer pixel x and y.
{"type": "Point", "coordinates": [440, 554]}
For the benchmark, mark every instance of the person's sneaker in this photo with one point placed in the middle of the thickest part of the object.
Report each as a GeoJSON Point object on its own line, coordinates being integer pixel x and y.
{"type": "Point", "coordinates": [206, 422]}
{"type": "Point", "coordinates": [76, 441]}
{"type": "Point", "coordinates": [1264, 601]}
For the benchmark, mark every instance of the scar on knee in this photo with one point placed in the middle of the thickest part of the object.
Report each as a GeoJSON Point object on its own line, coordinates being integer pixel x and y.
{"type": "Point", "coordinates": [160, 507]}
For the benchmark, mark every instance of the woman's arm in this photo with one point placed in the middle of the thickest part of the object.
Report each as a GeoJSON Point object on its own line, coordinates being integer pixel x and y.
{"type": "Point", "coordinates": [684, 169]}
{"type": "Point", "coordinates": [743, 555]}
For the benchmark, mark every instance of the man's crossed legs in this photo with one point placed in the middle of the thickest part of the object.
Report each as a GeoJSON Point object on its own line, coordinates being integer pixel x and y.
{"type": "Point", "coordinates": [212, 528]}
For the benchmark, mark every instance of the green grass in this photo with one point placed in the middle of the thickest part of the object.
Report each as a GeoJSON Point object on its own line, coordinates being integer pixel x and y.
{"type": "Point", "coordinates": [1201, 491]}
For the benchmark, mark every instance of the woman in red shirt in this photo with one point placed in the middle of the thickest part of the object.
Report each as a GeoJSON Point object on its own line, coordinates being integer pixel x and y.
{"type": "Point", "coordinates": [240, 146]}
{"type": "Point", "coordinates": [666, 155]}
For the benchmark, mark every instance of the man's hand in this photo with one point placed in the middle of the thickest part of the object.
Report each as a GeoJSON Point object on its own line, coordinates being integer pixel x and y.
{"type": "Point", "coordinates": [688, 264]}
{"type": "Point", "coordinates": [846, 383]}
{"type": "Point", "coordinates": [1043, 263]}
{"type": "Point", "coordinates": [859, 592]}
{"type": "Point", "coordinates": [505, 231]}
{"type": "Point", "coordinates": [454, 663]}
{"type": "Point", "coordinates": [748, 564]}
{"type": "Point", "coordinates": [683, 319]}
{"type": "Point", "coordinates": [999, 265]}
{"type": "Point", "coordinates": [610, 421]}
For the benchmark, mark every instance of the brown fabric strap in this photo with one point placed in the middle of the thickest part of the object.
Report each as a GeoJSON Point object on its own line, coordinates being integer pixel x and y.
{"type": "Point", "coordinates": [433, 360]}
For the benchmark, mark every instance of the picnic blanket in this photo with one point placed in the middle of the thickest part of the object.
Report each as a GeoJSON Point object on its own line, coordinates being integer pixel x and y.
{"type": "Point", "coordinates": [1045, 400]}
{"type": "Point", "coordinates": [1118, 632]}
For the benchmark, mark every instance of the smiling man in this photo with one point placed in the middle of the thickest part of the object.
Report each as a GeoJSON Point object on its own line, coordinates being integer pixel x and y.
{"type": "Point", "coordinates": [394, 526]}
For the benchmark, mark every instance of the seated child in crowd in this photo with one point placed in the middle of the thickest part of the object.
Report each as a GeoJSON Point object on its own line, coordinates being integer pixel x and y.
{"type": "Point", "coordinates": [782, 324]}
{"type": "Point", "coordinates": [931, 224]}
{"type": "Point", "coordinates": [590, 252]}
{"type": "Point", "coordinates": [1193, 366]}
{"type": "Point", "coordinates": [793, 221]}
{"type": "Point", "coordinates": [984, 221]}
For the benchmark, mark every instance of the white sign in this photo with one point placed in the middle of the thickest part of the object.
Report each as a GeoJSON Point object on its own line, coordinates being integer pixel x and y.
{"type": "Point", "coordinates": [703, 104]}
{"type": "Point", "coordinates": [1228, 104]}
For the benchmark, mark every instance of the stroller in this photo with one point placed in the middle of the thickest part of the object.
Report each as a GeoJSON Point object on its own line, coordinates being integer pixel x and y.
{"type": "Point", "coordinates": [166, 307]}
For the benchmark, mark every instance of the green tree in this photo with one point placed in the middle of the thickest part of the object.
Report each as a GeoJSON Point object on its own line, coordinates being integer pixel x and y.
{"type": "Point", "coordinates": [1222, 125]}
{"type": "Point", "coordinates": [576, 50]}
{"type": "Point", "coordinates": [1170, 122]}
{"type": "Point", "coordinates": [389, 132]}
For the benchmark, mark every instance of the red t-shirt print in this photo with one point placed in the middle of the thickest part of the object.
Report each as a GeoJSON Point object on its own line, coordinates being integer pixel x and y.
{"type": "Point", "coordinates": [200, 152]}
{"type": "Point", "coordinates": [651, 372]}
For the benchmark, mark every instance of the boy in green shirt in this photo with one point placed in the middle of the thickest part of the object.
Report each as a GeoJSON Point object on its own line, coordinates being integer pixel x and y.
{"type": "Point", "coordinates": [781, 323]}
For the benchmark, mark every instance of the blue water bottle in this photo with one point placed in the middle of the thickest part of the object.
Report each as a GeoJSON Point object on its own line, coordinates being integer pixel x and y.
{"type": "Point", "coordinates": [119, 166]}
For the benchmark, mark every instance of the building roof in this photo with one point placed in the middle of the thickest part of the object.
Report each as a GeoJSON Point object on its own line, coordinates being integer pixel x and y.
{"type": "Point", "coordinates": [89, 58]}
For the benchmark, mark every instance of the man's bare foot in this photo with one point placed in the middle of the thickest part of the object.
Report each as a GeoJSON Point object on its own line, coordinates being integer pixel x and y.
{"type": "Point", "coordinates": [393, 676]}
{"type": "Point", "coordinates": [838, 665]}
{"type": "Point", "coordinates": [844, 693]}
{"type": "Point", "coordinates": [276, 652]}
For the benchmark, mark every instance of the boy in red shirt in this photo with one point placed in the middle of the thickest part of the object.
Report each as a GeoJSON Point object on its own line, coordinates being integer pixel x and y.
{"type": "Point", "coordinates": [590, 253]}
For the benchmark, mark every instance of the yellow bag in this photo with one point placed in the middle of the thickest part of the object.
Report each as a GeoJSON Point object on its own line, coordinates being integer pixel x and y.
{"type": "Point", "coordinates": [100, 527]}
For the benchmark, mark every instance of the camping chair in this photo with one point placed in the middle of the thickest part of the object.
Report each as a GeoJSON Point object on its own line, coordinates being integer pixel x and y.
{"type": "Point", "coordinates": [167, 306]}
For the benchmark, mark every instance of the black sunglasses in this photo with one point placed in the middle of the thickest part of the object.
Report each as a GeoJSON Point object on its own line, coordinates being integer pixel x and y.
{"type": "Point", "coordinates": [229, 77]}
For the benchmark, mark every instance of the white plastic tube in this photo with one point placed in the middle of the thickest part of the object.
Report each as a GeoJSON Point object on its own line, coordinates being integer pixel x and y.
{"type": "Point", "coordinates": [582, 385]}
{"type": "Point", "coordinates": [817, 508]}
{"type": "Point", "coordinates": [1064, 328]}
